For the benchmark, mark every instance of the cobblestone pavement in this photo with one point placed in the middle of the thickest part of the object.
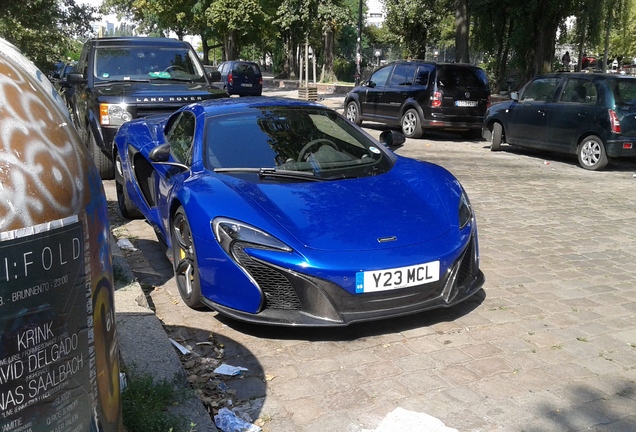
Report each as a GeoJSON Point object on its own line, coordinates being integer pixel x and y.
{"type": "Point", "coordinates": [548, 345]}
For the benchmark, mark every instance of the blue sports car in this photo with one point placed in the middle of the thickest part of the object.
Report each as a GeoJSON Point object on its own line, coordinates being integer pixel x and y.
{"type": "Point", "coordinates": [283, 212]}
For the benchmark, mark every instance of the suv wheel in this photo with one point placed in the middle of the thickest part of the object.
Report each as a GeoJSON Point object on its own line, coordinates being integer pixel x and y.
{"type": "Point", "coordinates": [591, 153]}
{"type": "Point", "coordinates": [353, 113]}
{"type": "Point", "coordinates": [104, 165]}
{"type": "Point", "coordinates": [411, 125]}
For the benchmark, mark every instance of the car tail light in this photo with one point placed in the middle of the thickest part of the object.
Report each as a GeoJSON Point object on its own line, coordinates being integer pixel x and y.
{"type": "Point", "coordinates": [614, 123]}
{"type": "Point", "coordinates": [488, 102]}
{"type": "Point", "coordinates": [436, 100]}
{"type": "Point", "coordinates": [230, 78]}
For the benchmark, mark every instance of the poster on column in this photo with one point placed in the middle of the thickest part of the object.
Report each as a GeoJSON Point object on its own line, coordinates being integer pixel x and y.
{"type": "Point", "coordinates": [46, 331]}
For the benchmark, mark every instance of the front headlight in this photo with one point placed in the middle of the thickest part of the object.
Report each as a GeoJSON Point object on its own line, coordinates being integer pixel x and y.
{"type": "Point", "coordinates": [228, 231]}
{"type": "Point", "coordinates": [465, 211]}
{"type": "Point", "coordinates": [113, 114]}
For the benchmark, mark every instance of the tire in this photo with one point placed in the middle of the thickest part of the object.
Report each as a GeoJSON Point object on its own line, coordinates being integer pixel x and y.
{"type": "Point", "coordinates": [126, 207]}
{"type": "Point", "coordinates": [353, 113]}
{"type": "Point", "coordinates": [184, 261]}
{"type": "Point", "coordinates": [104, 165]}
{"type": "Point", "coordinates": [411, 124]}
{"type": "Point", "coordinates": [591, 153]}
{"type": "Point", "coordinates": [495, 136]}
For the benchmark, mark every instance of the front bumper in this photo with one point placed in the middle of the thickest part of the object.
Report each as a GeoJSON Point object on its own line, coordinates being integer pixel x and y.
{"type": "Point", "coordinates": [293, 299]}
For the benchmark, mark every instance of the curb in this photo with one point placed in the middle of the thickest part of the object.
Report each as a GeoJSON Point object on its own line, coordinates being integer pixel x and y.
{"type": "Point", "coordinates": [144, 347]}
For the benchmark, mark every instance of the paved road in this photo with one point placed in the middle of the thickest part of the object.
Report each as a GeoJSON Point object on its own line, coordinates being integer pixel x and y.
{"type": "Point", "coordinates": [549, 345]}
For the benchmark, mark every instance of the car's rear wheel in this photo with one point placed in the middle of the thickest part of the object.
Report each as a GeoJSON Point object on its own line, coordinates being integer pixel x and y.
{"type": "Point", "coordinates": [411, 125]}
{"type": "Point", "coordinates": [495, 136]}
{"type": "Point", "coordinates": [126, 207]}
{"type": "Point", "coordinates": [104, 165]}
{"type": "Point", "coordinates": [353, 113]}
{"type": "Point", "coordinates": [591, 153]}
{"type": "Point", "coordinates": [184, 260]}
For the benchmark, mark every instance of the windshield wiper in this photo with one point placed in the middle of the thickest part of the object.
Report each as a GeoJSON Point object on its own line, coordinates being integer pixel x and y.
{"type": "Point", "coordinates": [111, 81]}
{"type": "Point", "coordinates": [273, 173]}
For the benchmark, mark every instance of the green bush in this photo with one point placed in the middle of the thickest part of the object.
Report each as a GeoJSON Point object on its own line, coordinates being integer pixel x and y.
{"type": "Point", "coordinates": [344, 69]}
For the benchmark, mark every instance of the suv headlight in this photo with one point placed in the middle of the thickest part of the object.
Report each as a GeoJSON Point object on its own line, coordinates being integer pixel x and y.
{"type": "Point", "coordinates": [113, 114]}
{"type": "Point", "coordinates": [465, 211]}
{"type": "Point", "coordinates": [228, 231]}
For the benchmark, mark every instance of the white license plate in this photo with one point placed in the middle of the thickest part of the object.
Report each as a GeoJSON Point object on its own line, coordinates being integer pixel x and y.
{"type": "Point", "coordinates": [246, 85]}
{"type": "Point", "coordinates": [395, 278]}
{"type": "Point", "coordinates": [465, 103]}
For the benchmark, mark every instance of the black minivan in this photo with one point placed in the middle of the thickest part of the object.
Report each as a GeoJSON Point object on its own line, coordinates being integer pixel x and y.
{"type": "Point", "coordinates": [418, 95]}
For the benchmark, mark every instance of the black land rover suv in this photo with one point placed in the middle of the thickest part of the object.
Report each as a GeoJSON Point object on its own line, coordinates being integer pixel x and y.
{"type": "Point", "coordinates": [122, 78]}
{"type": "Point", "coordinates": [419, 94]}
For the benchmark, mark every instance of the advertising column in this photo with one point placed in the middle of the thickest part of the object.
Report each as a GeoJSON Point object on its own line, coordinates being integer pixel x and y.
{"type": "Point", "coordinates": [59, 368]}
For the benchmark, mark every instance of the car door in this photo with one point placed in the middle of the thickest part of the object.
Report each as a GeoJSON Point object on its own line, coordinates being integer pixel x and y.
{"type": "Point", "coordinates": [180, 135]}
{"type": "Point", "coordinates": [529, 117]}
{"type": "Point", "coordinates": [373, 88]}
{"type": "Point", "coordinates": [574, 111]}
{"type": "Point", "coordinates": [398, 89]}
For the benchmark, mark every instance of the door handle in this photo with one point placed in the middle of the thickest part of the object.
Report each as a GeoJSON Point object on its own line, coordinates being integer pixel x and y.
{"type": "Point", "coordinates": [542, 112]}
{"type": "Point", "coordinates": [582, 114]}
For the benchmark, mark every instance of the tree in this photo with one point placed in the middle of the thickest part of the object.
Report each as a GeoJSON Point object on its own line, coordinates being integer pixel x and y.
{"type": "Point", "coordinates": [333, 16]}
{"type": "Point", "coordinates": [414, 24]}
{"type": "Point", "coordinates": [462, 31]}
{"type": "Point", "coordinates": [44, 30]}
{"type": "Point", "coordinates": [239, 22]}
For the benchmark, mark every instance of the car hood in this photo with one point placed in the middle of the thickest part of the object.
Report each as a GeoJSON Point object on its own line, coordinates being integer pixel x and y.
{"type": "Point", "coordinates": [160, 91]}
{"type": "Point", "coordinates": [390, 210]}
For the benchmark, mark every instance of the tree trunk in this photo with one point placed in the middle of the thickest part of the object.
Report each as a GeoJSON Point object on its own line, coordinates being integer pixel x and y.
{"type": "Point", "coordinates": [462, 29]}
{"type": "Point", "coordinates": [231, 50]}
{"type": "Point", "coordinates": [608, 27]}
{"type": "Point", "coordinates": [206, 50]}
{"type": "Point", "coordinates": [327, 62]}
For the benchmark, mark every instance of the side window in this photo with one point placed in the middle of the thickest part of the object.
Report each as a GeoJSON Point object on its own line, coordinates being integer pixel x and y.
{"type": "Point", "coordinates": [423, 74]}
{"type": "Point", "coordinates": [82, 64]}
{"type": "Point", "coordinates": [180, 135]}
{"type": "Point", "coordinates": [541, 90]}
{"type": "Point", "coordinates": [402, 75]}
{"type": "Point", "coordinates": [579, 91]}
{"type": "Point", "coordinates": [380, 76]}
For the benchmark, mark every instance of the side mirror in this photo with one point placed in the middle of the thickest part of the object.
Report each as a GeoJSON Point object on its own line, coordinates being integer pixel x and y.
{"type": "Point", "coordinates": [214, 76]}
{"type": "Point", "coordinates": [370, 84]}
{"type": "Point", "coordinates": [392, 140]}
{"type": "Point", "coordinates": [76, 78]}
{"type": "Point", "coordinates": [514, 96]}
{"type": "Point", "coordinates": [161, 153]}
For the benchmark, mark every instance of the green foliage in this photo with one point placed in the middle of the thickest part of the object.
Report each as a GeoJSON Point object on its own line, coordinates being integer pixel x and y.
{"type": "Point", "coordinates": [414, 24]}
{"type": "Point", "coordinates": [344, 69]}
{"type": "Point", "coordinates": [145, 403]}
{"type": "Point", "coordinates": [44, 30]}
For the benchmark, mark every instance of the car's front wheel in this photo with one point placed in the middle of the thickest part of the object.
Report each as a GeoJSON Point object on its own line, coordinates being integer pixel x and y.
{"type": "Point", "coordinates": [104, 165]}
{"type": "Point", "coordinates": [411, 125]}
{"type": "Point", "coordinates": [591, 153]}
{"type": "Point", "coordinates": [495, 137]}
{"type": "Point", "coordinates": [184, 259]}
{"type": "Point", "coordinates": [353, 113]}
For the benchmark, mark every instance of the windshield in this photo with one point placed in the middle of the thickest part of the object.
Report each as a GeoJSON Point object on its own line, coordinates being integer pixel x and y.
{"type": "Point", "coordinates": [146, 63]}
{"type": "Point", "coordinates": [315, 141]}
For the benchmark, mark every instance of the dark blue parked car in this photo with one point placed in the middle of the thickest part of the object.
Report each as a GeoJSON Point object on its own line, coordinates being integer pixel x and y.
{"type": "Point", "coordinates": [282, 211]}
{"type": "Point", "coordinates": [241, 78]}
{"type": "Point", "coordinates": [592, 115]}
